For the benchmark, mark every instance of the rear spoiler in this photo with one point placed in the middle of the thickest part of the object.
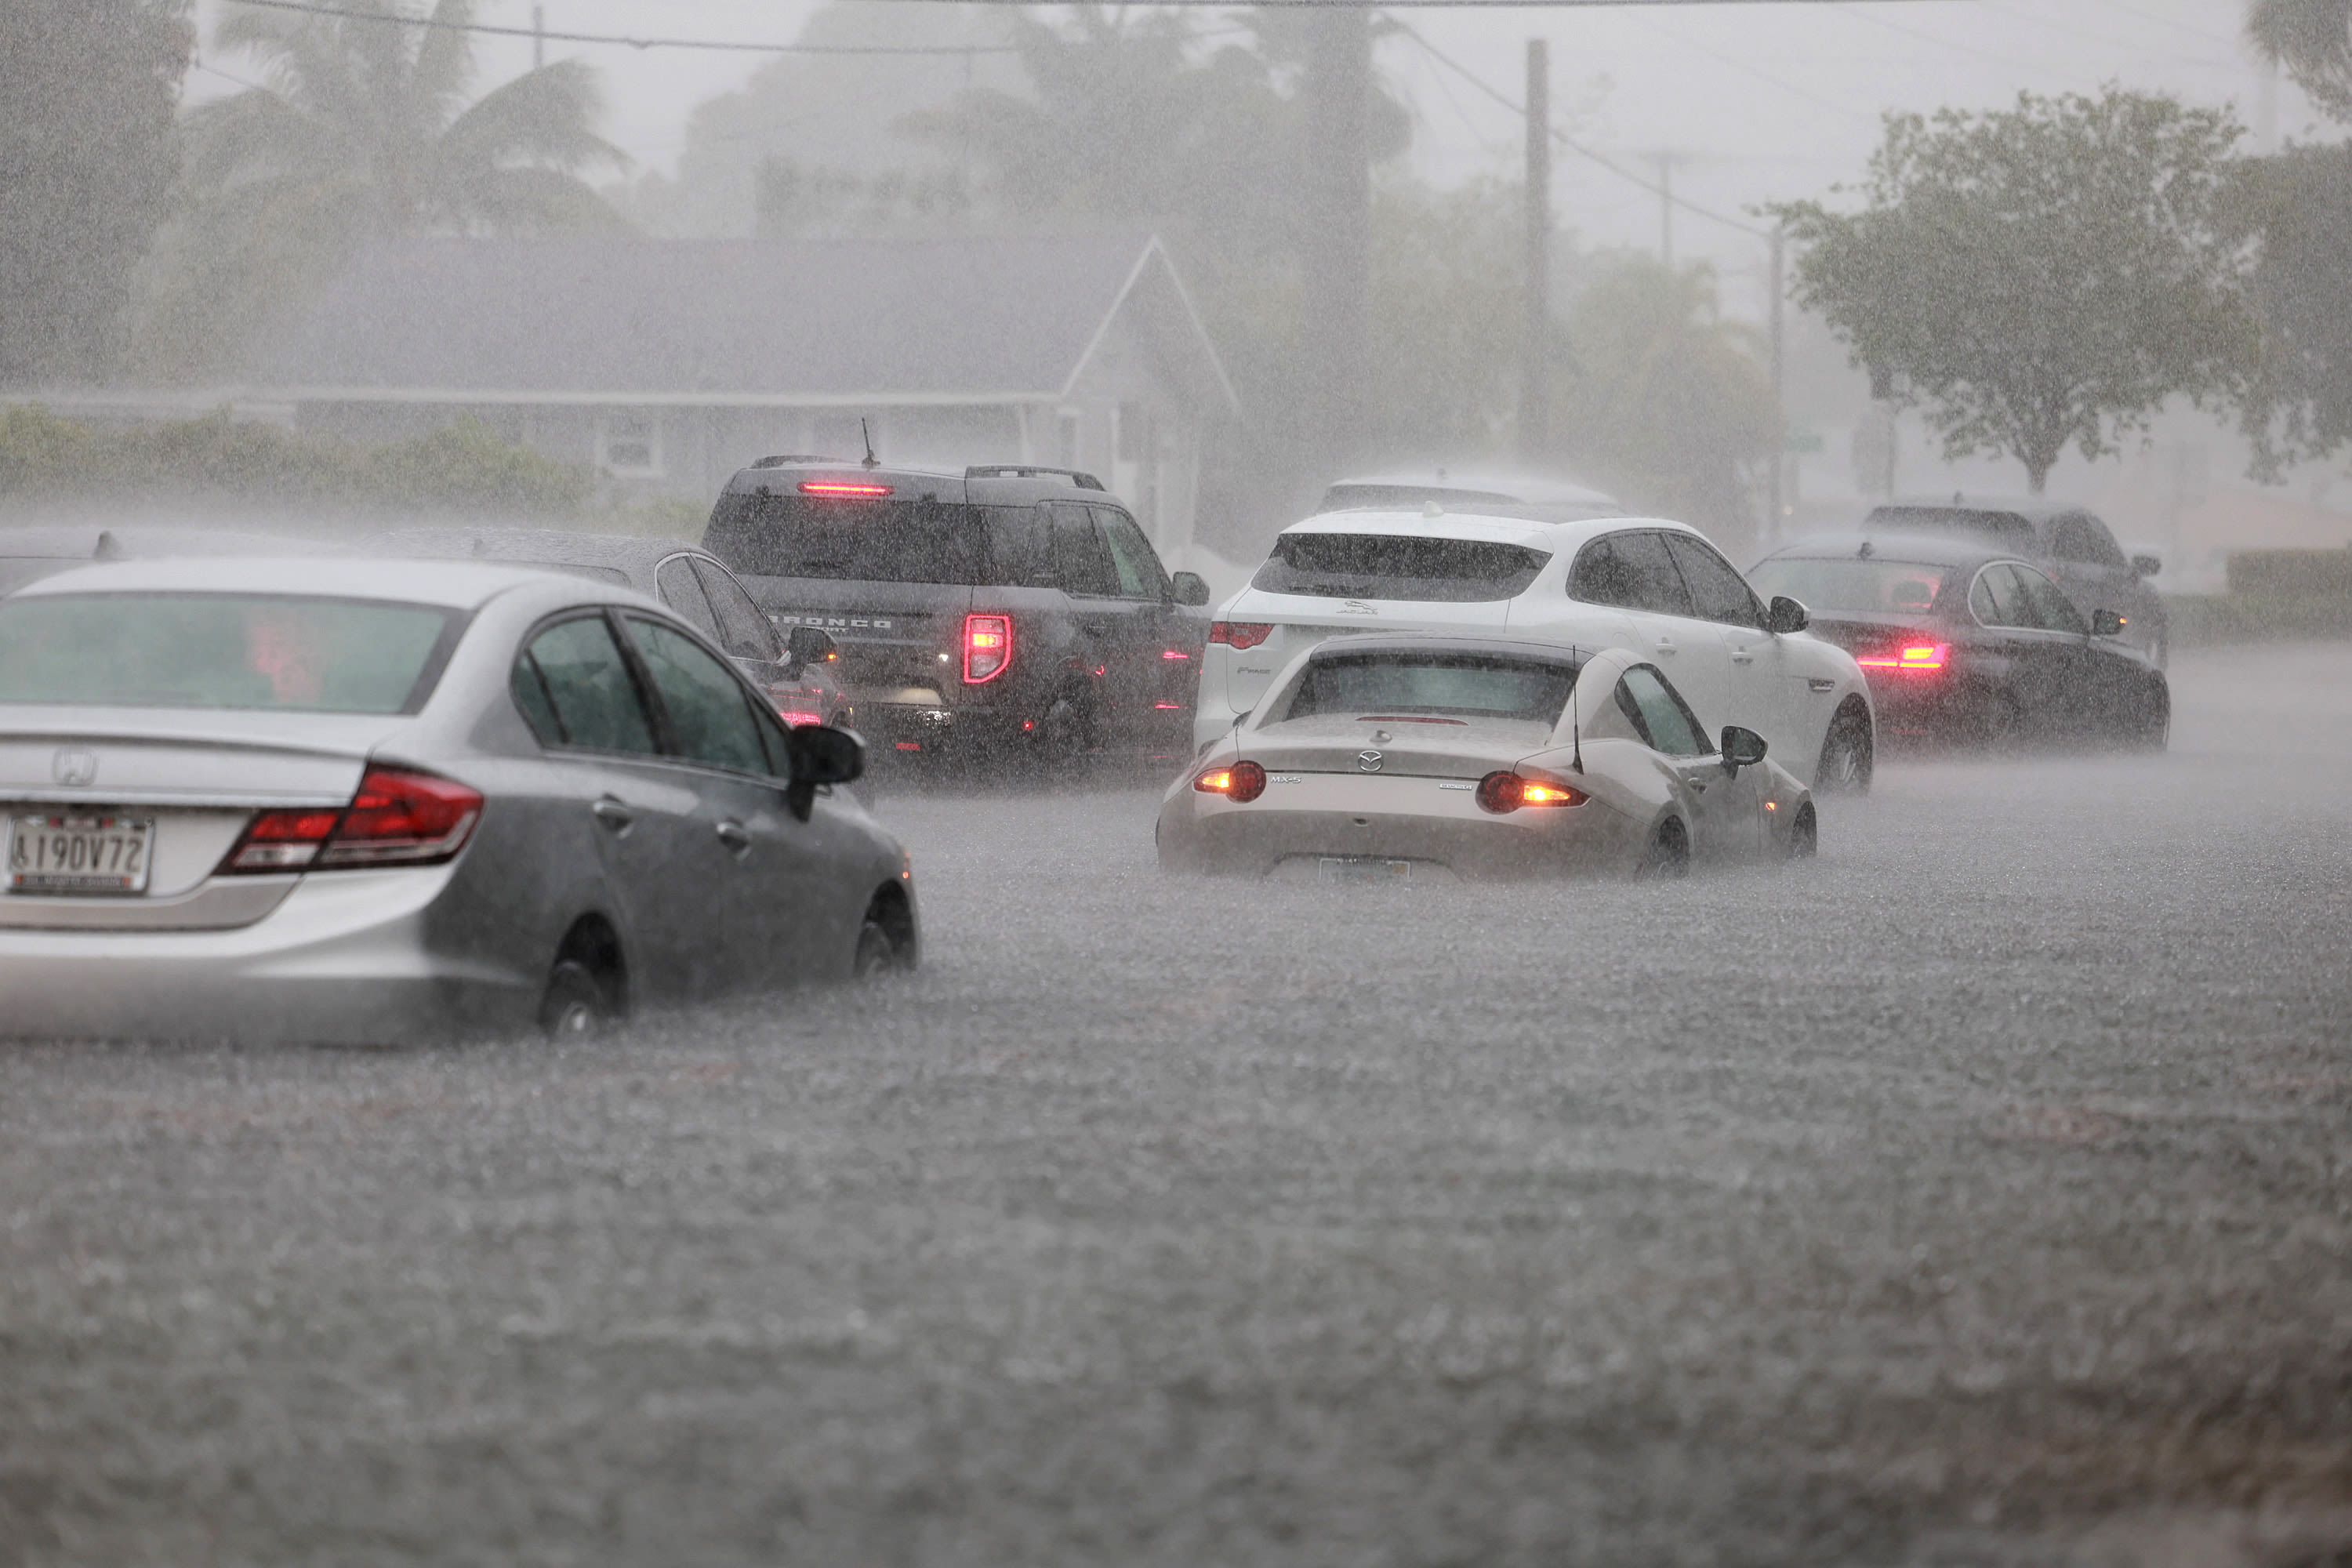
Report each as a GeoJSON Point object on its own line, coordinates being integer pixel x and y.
{"type": "Point", "coordinates": [1083, 481]}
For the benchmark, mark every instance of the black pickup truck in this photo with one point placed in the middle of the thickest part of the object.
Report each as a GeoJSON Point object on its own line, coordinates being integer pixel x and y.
{"type": "Point", "coordinates": [999, 612]}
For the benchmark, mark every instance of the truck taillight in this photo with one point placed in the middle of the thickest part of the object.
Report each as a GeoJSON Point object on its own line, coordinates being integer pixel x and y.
{"type": "Point", "coordinates": [987, 647]}
{"type": "Point", "coordinates": [1240, 634]}
{"type": "Point", "coordinates": [397, 817]}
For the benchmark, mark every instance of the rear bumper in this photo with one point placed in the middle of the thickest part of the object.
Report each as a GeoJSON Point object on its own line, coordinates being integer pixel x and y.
{"type": "Point", "coordinates": [1402, 819]}
{"type": "Point", "coordinates": [346, 958]}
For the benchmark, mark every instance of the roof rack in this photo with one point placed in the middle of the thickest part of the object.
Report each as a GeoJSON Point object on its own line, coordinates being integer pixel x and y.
{"type": "Point", "coordinates": [1083, 481]}
{"type": "Point", "coordinates": [780, 459]}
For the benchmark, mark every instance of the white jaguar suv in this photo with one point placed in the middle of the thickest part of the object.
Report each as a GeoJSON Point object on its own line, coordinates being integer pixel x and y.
{"type": "Point", "coordinates": [1645, 584]}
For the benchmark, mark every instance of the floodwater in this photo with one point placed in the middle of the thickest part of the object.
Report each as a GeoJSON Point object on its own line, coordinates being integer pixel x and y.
{"type": "Point", "coordinates": [1981, 1194]}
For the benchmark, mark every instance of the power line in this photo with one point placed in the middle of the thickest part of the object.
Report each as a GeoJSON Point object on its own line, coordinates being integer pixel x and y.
{"type": "Point", "coordinates": [728, 45]}
{"type": "Point", "coordinates": [1574, 145]}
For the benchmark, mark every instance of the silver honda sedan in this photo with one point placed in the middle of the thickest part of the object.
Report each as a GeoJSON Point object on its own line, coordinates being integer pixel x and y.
{"type": "Point", "coordinates": [375, 801]}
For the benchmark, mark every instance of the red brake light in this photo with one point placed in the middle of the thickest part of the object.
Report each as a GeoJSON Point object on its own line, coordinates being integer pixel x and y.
{"type": "Point", "coordinates": [1242, 782]}
{"type": "Point", "coordinates": [987, 647]}
{"type": "Point", "coordinates": [843, 488]}
{"type": "Point", "coordinates": [1501, 793]}
{"type": "Point", "coordinates": [795, 720]}
{"type": "Point", "coordinates": [398, 818]}
{"type": "Point", "coordinates": [1239, 634]}
{"type": "Point", "coordinates": [1921, 656]}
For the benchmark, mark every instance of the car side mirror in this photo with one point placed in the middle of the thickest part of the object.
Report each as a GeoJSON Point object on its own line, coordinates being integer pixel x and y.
{"type": "Point", "coordinates": [1191, 588]}
{"type": "Point", "coordinates": [1786, 615]}
{"type": "Point", "coordinates": [821, 755]}
{"type": "Point", "coordinates": [2108, 624]}
{"type": "Point", "coordinates": [2147, 566]}
{"type": "Point", "coordinates": [809, 645]}
{"type": "Point", "coordinates": [1741, 747]}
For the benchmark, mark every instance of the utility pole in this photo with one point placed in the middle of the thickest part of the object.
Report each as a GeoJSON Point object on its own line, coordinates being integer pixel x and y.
{"type": "Point", "coordinates": [1535, 338]}
{"type": "Point", "coordinates": [1666, 209]}
{"type": "Point", "coordinates": [1779, 286]}
{"type": "Point", "coordinates": [538, 37]}
{"type": "Point", "coordinates": [1339, 222]}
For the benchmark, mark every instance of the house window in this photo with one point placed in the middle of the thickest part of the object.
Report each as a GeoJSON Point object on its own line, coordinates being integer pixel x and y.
{"type": "Point", "coordinates": [1066, 429]}
{"type": "Point", "coordinates": [630, 445]}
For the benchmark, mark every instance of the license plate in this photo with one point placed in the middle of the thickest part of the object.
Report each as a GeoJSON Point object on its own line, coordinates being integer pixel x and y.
{"type": "Point", "coordinates": [79, 854]}
{"type": "Point", "coordinates": [1357, 870]}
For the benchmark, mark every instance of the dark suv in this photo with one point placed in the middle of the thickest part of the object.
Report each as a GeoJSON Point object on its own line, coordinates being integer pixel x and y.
{"type": "Point", "coordinates": [998, 611]}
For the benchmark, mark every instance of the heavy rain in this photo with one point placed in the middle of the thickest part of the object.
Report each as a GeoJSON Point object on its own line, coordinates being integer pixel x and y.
{"type": "Point", "coordinates": [863, 781]}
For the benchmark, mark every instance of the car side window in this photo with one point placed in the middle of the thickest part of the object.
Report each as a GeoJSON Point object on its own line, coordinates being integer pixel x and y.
{"type": "Point", "coordinates": [1139, 573]}
{"type": "Point", "coordinates": [1657, 586]}
{"type": "Point", "coordinates": [743, 631]}
{"type": "Point", "coordinates": [1081, 558]}
{"type": "Point", "coordinates": [1717, 591]}
{"type": "Point", "coordinates": [575, 691]}
{"type": "Point", "coordinates": [1660, 713]}
{"type": "Point", "coordinates": [675, 586]}
{"type": "Point", "coordinates": [711, 719]}
{"type": "Point", "coordinates": [1998, 600]}
{"type": "Point", "coordinates": [1599, 577]}
{"type": "Point", "coordinates": [2052, 610]}
{"type": "Point", "coordinates": [1021, 547]}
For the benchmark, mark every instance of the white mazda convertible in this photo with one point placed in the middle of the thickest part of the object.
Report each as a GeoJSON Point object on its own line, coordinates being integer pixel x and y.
{"type": "Point", "coordinates": [1394, 758]}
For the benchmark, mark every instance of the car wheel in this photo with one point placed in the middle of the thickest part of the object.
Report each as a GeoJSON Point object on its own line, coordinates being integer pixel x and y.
{"type": "Point", "coordinates": [1667, 859]}
{"type": "Point", "coordinates": [2154, 731]}
{"type": "Point", "coordinates": [886, 941]}
{"type": "Point", "coordinates": [1849, 754]}
{"type": "Point", "coordinates": [1064, 734]}
{"type": "Point", "coordinates": [1998, 722]}
{"type": "Point", "coordinates": [576, 1005]}
{"type": "Point", "coordinates": [1804, 833]}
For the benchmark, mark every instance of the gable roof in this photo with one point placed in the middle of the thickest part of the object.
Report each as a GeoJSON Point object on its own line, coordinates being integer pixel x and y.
{"type": "Point", "coordinates": [617, 318]}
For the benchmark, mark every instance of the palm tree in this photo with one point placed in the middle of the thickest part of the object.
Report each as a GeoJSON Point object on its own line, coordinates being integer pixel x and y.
{"type": "Point", "coordinates": [361, 129]}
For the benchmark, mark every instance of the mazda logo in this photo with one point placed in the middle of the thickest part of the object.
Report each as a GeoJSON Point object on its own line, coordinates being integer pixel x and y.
{"type": "Point", "coordinates": [1369, 762]}
{"type": "Point", "coordinates": [74, 766]}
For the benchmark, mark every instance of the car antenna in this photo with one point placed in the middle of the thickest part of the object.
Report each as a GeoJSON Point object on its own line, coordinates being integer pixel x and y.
{"type": "Point", "coordinates": [1576, 716]}
{"type": "Point", "coordinates": [867, 431]}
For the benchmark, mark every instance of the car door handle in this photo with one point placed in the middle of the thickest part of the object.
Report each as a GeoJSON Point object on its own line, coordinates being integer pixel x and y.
{"type": "Point", "coordinates": [1665, 645]}
{"type": "Point", "coordinates": [613, 815]}
{"type": "Point", "coordinates": [736, 837]}
{"type": "Point", "coordinates": [1741, 656]}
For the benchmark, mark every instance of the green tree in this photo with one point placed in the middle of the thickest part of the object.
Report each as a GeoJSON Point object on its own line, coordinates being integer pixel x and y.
{"type": "Point", "coordinates": [1663, 399]}
{"type": "Point", "coordinates": [87, 155]}
{"type": "Point", "coordinates": [363, 129]}
{"type": "Point", "coordinates": [2313, 40]}
{"type": "Point", "coordinates": [2040, 276]}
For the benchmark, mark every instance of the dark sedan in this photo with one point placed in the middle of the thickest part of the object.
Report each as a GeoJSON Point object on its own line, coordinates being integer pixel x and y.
{"type": "Point", "coordinates": [1965, 643]}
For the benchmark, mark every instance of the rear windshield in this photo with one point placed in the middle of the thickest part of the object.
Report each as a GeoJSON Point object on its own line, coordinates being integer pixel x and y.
{"type": "Point", "coordinates": [221, 650]}
{"type": "Point", "coordinates": [1458, 686]}
{"type": "Point", "coordinates": [15, 570]}
{"type": "Point", "coordinates": [922, 541]}
{"type": "Point", "coordinates": [1876, 587]}
{"type": "Point", "coordinates": [1384, 566]}
{"type": "Point", "coordinates": [2005, 526]}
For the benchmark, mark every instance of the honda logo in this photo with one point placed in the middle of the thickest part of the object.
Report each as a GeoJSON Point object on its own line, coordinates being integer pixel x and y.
{"type": "Point", "coordinates": [74, 766]}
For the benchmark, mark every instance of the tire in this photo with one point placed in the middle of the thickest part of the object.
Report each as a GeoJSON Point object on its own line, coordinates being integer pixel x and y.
{"type": "Point", "coordinates": [882, 945]}
{"type": "Point", "coordinates": [1065, 735]}
{"type": "Point", "coordinates": [1667, 859]}
{"type": "Point", "coordinates": [1998, 723]}
{"type": "Point", "coordinates": [1849, 754]}
{"type": "Point", "coordinates": [2154, 731]}
{"type": "Point", "coordinates": [577, 1005]}
{"type": "Point", "coordinates": [1804, 835]}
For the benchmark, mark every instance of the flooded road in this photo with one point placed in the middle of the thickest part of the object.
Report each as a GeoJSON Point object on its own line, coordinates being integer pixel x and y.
{"type": "Point", "coordinates": [1981, 1194]}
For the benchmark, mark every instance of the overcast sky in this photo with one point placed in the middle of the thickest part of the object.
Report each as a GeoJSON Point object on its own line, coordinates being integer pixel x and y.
{"type": "Point", "coordinates": [1751, 103]}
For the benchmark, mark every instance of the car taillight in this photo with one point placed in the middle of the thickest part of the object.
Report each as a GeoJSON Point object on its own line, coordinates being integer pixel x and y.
{"type": "Point", "coordinates": [795, 720]}
{"type": "Point", "coordinates": [987, 647]}
{"type": "Point", "coordinates": [1242, 782]}
{"type": "Point", "coordinates": [1504, 791]}
{"type": "Point", "coordinates": [1917, 655]}
{"type": "Point", "coordinates": [1239, 634]}
{"type": "Point", "coordinates": [398, 818]}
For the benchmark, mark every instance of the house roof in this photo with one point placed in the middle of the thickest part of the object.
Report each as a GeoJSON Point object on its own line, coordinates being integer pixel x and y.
{"type": "Point", "coordinates": [619, 318]}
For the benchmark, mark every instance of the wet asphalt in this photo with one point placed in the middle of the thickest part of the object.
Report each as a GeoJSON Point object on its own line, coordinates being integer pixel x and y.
{"type": "Point", "coordinates": [1981, 1194]}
